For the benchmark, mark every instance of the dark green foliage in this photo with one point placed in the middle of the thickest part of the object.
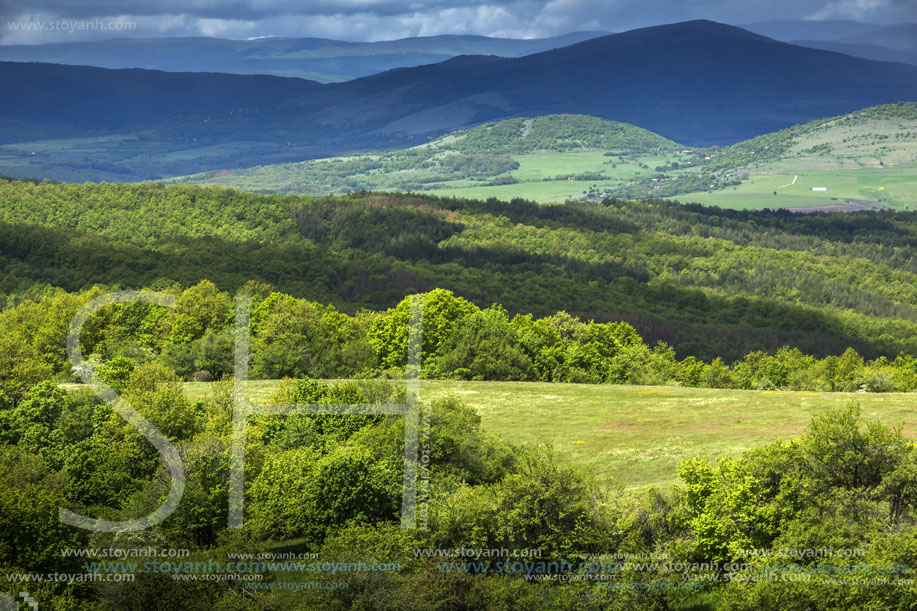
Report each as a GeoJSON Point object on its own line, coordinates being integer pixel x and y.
{"type": "Point", "coordinates": [482, 347]}
{"type": "Point", "coordinates": [708, 282]}
{"type": "Point", "coordinates": [116, 372]}
{"type": "Point", "coordinates": [301, 493]}
{"type": "Point", "coordinates": [132, 348]}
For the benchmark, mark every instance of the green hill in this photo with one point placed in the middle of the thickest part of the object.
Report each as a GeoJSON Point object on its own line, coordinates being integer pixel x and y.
{"type": "Point", "coordinates": [486, 155]}
{"type": "Point", "coordinates": [869, 156]}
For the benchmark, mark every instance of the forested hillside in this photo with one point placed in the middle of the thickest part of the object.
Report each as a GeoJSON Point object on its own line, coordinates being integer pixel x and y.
{"type": "Point", "coordinates": [709, 282]}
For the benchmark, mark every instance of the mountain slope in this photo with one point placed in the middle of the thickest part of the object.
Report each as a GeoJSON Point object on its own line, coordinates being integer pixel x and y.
{"type": "Point", "coordinates": [318, 59]}
{"type": "Point", "coordinates": [75, 99]}
{"type": "Point", "coordinates": [902, 37]}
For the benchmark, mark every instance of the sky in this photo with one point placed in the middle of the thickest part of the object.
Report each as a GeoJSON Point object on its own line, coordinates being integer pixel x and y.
{"type": "Point", "coordinates": [36, 21]}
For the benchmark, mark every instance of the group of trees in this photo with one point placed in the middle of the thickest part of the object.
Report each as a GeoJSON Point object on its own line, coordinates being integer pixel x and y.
{"type": "Point", "coordinates": [557, 133]}
{"type": "Point", "coordinates": [293, 337]}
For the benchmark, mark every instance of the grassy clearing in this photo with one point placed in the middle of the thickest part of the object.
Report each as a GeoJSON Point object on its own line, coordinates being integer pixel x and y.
{"type": "Point", "coordinates": [537, 175]}
{"type": "Point", "coordinates": [894, 186]}
{"type": "Point", "coordinates": [636, 435]}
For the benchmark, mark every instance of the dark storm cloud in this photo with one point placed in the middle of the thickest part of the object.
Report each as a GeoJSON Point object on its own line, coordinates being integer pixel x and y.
{"type": "Point", "coordinates": [386, 19]}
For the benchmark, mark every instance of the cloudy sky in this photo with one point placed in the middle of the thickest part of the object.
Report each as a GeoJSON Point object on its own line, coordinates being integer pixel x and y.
{"type": "Point", "coordinates": [32, 21]}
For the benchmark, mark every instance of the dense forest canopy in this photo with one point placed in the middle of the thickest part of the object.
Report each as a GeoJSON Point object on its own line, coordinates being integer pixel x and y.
{"type": "Point", "coordinates": [709, 282]}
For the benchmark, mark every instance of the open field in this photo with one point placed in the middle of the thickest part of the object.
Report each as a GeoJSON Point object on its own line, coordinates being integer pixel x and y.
{"type": "Point", "coordinates": [889, 186]}
{"type": "Point", "coordinates": [538, 176]}
{"type": "Point", "coordinates": [636, 435]}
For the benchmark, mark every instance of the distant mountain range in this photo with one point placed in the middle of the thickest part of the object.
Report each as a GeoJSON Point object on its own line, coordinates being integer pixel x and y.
{"type": "Point", "coordinates": [53, 101]}
{"type": "Point", "coordinates": [317, 59]}
{"type": "Point", "coordinates": [810, 29]}
{"type": "Point", "coordinates": [697, 83]}
{"type": "Point", "coordinates": [897, 43]}
{"type": "Point", "coordinates": [866, 51]}
{"type": "Point", "coordinates": [902, 37]}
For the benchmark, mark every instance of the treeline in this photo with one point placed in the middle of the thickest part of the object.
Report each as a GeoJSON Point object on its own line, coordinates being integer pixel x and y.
{"type": "Point", "coordinates": [668, 185]}
{"type": "Point", "coordinates": [296, 338]}
{"type": "Point", "coordinates": [708, 282]}
{"type": "Point", "coordinates": [405, 170]}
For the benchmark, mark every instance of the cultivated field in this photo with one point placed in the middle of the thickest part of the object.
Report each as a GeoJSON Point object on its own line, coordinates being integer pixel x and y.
{"type": "Point", "coordinates": [636, 435]}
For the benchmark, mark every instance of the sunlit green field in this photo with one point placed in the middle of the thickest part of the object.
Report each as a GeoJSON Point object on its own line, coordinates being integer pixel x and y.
{"type": "Point", "coordinates": [894, 186]}
{"type": "Point", "coordinates": [636, 435]}
{"type": "Point", "coordinates": [889, 186]}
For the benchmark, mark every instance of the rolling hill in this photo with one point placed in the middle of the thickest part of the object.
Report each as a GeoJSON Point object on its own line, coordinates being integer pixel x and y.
{"type": "Point", "coordinates": [869, 155]}
{"type": "Point", "coordinates": [318, 59]}
{"type": "Point", "coordinates": [698, 83]}
{"type": "Point", "coordinates": [488, 155]}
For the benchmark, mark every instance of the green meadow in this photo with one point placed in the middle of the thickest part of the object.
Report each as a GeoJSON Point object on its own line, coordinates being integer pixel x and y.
{"type": "Point", "coordinates": [635, 436]}
{"type": "Point", "coordinates": [891, 186]}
